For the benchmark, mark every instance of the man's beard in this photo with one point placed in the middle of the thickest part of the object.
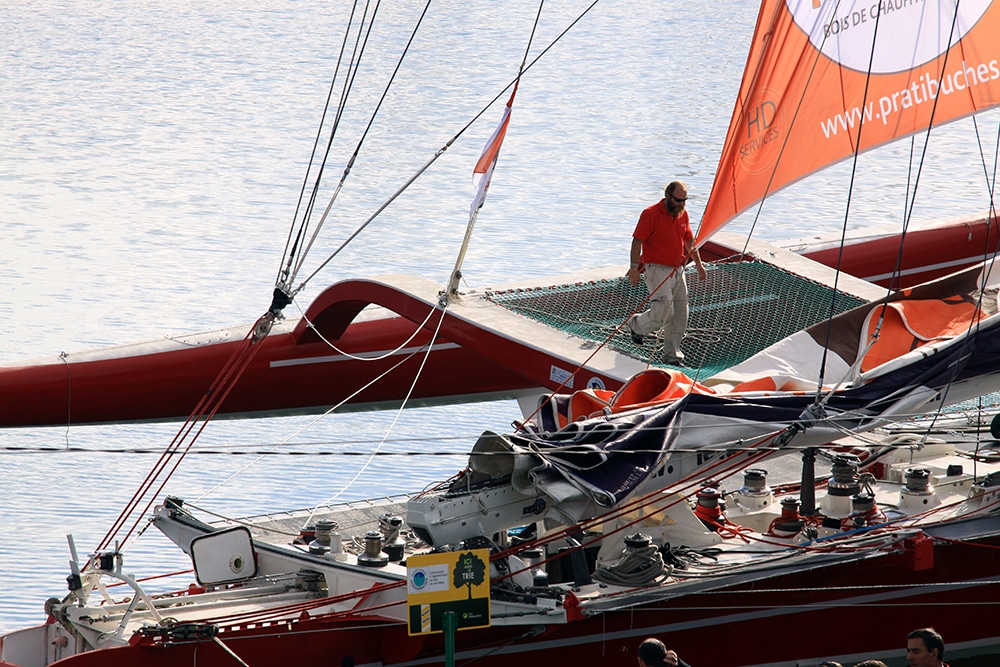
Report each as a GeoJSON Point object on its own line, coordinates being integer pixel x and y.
{"type": "Point", "coordinates": [674, 207]}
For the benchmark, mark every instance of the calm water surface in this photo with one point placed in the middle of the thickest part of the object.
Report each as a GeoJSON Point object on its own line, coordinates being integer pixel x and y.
{"type": "Point", "coordinates": [150, 160]}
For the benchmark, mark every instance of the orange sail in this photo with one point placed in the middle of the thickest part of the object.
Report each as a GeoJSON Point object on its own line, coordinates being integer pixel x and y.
{"type": "Point", "coordinates": [807, 99]}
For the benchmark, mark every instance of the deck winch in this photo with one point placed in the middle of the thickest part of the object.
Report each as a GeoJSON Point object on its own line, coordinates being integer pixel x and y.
{"type": "Point", "coordinates": [790, 522]}
{"type": "Point", "coordinates": [842, 486]}
{"type": "Point", "coordinates": [917, 493]}
{"type": "Point", "coordinates": [709, 507]}
{"type": "Point", "coordinates": [327, 541]}
{"type": "Point", "coordinates": [755, 494]}
{"type": "Point", "coordinates": [373, 555]}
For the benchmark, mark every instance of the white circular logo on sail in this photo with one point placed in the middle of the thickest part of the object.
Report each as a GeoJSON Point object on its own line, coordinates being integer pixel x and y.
{"type": "Point", "coordinates": [910, 32]}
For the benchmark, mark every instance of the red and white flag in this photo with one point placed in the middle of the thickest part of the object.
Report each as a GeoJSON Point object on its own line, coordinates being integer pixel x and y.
{"type": "Point", "coordinates": [483, 172]}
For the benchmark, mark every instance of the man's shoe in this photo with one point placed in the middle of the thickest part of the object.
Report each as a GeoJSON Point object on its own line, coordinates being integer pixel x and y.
{"type": "Point", "coordinates": [671, 360]}
{"type": "Point", "coordinates": [636, 338]}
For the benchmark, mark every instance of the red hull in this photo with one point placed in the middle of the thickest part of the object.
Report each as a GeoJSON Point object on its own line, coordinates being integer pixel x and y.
{"type": "Point", "coordinates": [926, 254]}
{"type": "Point", "coordinates": [847, 612]}
{"type": "Point", "coordinates": [295, 372]}
{"type": "Point", "coordinates": [287, 376]}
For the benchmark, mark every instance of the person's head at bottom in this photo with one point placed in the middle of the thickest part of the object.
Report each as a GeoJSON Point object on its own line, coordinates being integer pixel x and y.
{"type": "Point", "coordinates": [924, 648]}
{"type": "Point", "coordinates": [652, 653]}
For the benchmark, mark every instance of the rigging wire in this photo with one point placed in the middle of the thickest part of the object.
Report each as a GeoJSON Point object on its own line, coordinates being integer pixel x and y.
{"type": "Point", "coordinates": [390, 353]}
{"type": "Point", "coordinates": [843, 228]}
{"type": "Point", "coordinates": [991, 217]}
{"type": "Point", "coordinates": [817, 58]}
{"type": "Point", "coordinates": [443, 309]}
{"type": "Point", "coordinates": [975, 320]}
{"type": "Point", "coordinates": [190, 430]}
{"type": "Point", "coordinates": [330, 411]}
{"type": "Point", "coordinates": [911, 195]}
{"type": "Point", "coordinates": [289, 251]}
{"type": "Point", "coordinates": [350, 163]}
{"type": "Point", "coordinates": [988, 253]}
{"type": "Point", "coordinates": [272, 449]}
{"type": "Point", "coordinates": [440, 151]}
{"type": "Point", "coordinates": [798, 107]}
{"type": "Point", "coordinates": [209, 404]}
{"type": "Point", "coordinates": [483, 173]}
{"type": "Point", "coordinates": [399, 412]}
{"type": "Point", "coordinates": [820, 400]}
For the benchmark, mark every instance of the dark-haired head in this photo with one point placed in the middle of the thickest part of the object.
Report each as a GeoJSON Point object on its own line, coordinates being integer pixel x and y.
{"type": "Point", "coordinates": [652, 652]}
{"type": "Point", "coordinates": [932, 640]}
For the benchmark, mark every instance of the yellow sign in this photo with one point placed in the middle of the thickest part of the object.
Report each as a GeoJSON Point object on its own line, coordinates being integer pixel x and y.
{"type": "Point", "coordinates": [457, 581]}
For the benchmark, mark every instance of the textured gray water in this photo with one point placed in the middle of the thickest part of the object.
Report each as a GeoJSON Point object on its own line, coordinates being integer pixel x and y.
{"type": "Point", "coordinates": [150, 160]}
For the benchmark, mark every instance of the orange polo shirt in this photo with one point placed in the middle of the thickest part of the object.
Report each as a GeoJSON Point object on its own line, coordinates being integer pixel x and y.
{"type": "Point", "coordinates": [663, 235]}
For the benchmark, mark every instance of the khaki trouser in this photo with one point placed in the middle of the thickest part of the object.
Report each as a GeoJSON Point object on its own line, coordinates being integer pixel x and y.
{"type": "Point", "coordinates": [668, 307]}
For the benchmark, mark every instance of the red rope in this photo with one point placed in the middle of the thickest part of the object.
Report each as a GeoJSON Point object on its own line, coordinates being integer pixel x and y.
{"type": "Point", "coordinates": [964, 543]}
{"type": "Point", "coordinates": [206, 408]}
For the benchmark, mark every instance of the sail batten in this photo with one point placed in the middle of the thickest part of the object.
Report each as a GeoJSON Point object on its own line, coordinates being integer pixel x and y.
{"type": "Point", "coordinates": [807, 89]}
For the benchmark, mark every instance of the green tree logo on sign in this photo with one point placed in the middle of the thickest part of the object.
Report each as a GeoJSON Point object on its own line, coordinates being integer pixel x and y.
{"type": "Point", "coordinates": [470, 570]}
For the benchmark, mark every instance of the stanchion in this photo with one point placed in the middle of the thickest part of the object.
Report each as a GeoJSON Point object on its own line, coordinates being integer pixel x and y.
{"type": "Point", "coordinates": [449, 624]}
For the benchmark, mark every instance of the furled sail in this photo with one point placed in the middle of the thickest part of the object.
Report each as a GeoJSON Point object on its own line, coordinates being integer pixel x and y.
{"type": "Point", "coordinates": [590, 463]}
{"type": "Point", "coordinates": [807, 99]}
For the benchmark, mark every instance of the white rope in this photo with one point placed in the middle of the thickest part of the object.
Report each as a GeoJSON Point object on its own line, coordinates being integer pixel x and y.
{"type": "Point", "coordinates": [331, 410]}
{"type": "Point", "coordinates": [401, 347]}
{"type": "Point", "coordinates": [640, 567]}
{"type": "Point", "coordinates": [395, 419]}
